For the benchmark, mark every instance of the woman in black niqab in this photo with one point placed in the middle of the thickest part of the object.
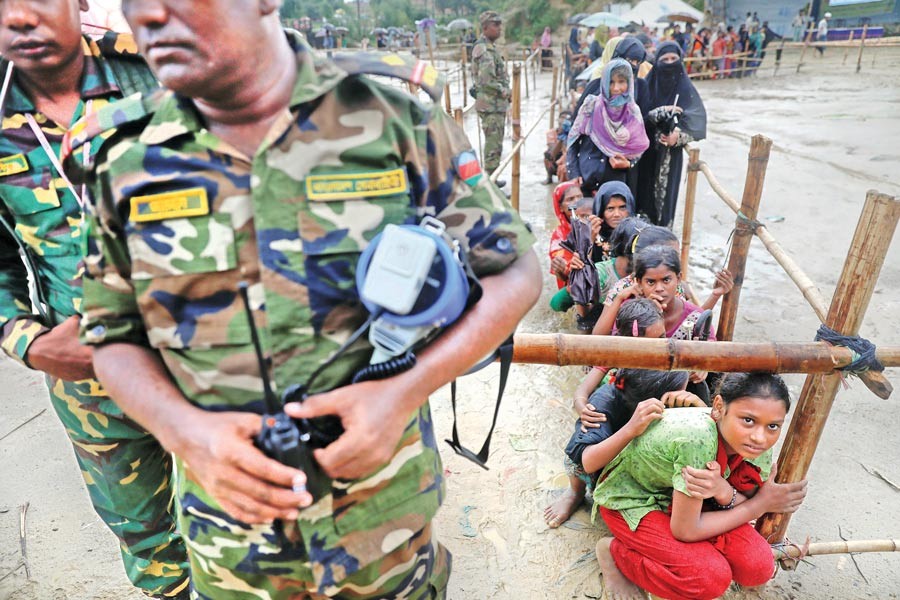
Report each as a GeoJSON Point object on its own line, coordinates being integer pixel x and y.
{"type": "Point", "coordinates": [660, 166]}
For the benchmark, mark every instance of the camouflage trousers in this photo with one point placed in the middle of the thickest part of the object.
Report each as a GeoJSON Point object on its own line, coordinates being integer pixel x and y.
{"type": "Point", "coordinates": [249, 562]}
{"type": "Point", "coordinates": [492, 124]}
{"type": "Point", "coordinates": [128, 476]}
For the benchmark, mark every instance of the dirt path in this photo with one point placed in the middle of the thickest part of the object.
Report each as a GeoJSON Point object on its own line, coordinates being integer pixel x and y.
{"type": "Point", "coordinates": [834, 137]}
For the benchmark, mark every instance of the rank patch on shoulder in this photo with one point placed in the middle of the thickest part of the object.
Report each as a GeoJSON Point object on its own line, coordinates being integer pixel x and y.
{"type": "Point", "coordinates": [468, 168]}
{"type": "Point", "coordinates": [341, 186]}
{"type": "Point", "coordinates": [191, 202]}
{"type": "Point", "coordinates": [10, 165]}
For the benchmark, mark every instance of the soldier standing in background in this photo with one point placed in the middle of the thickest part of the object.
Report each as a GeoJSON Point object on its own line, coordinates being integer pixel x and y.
{"type": "Point", "coordinates": [274, 168]}
{"type": "Point", "coordinates": [57, 75]}
{"type": "Point", "coordinates": [492, 90]}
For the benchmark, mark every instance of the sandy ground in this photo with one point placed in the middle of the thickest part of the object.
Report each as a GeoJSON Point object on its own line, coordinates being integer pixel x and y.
{"type": "Point", "coordinates": [834, 135]}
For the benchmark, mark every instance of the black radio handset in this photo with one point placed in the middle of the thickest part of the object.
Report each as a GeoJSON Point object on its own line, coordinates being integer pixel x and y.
{"type": "Point", "coordinates": [282, 438]}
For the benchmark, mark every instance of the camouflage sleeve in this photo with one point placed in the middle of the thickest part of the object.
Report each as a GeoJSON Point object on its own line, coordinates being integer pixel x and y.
{"type": "Point", "coordinates": [109, 310]}
{"type": "Point", "coordinates": [484, 75]}
{"type": "Point", "coordinates": [18, 326]}
{"type": "Point", "coordinates": [476, 213]}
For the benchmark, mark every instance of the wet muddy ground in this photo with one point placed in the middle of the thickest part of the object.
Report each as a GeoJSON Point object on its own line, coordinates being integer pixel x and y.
{"type": "Point", "coordinates": [835, 136]}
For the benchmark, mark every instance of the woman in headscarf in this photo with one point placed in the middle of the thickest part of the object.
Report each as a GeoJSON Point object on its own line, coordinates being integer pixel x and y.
{"type": "Point", "coordinates": [631, 50]}
{"type": "Point", "coordinates": [565, 196]}
{"type": "Point", "coordinates": [546, 39]}
{"type": "Point", "coordinates": [608, 52]}
{"type": "Point", "coordinates": [670, 124]}
{"type": "Point", "coordinates": [607, 136]}
{"type": "Point", "coordinates": [613, 203]}
{"type": "Point", "coordinates": [576, 58]}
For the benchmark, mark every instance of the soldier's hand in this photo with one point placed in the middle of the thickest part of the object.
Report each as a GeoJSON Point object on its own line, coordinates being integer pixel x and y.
{"type": "Point", "coordinates": [250, 486]}
{"type": "Point", "coordinates": [59, 353]}
{"type": "Point", "coordinates": [373, 419]}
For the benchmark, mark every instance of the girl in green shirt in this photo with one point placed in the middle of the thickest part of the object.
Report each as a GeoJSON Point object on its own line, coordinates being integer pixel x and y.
{"type": "Point", "coordinates": [678, 499]}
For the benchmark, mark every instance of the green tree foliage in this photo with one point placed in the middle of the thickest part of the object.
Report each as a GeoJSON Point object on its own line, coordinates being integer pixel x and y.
{"type": "Point", "coordinates": [526, 20]}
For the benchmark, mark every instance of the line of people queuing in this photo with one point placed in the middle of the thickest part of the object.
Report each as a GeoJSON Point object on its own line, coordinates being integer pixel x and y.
{"type": "Point", "coordinates": [676, 463]}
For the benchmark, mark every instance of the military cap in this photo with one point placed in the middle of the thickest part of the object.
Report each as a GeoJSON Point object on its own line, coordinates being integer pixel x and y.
{"type": "Point", "coordinates": [489, 16]}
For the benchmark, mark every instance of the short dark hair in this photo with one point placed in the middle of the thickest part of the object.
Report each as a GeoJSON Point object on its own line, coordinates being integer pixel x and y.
{"type": "Point", "coordinates": [656, 256]}
{"type": "Point", "coordinates": [637, 385]}
{"type": "Point", "coordinates": [733, 386]}
{"type": "Point", "coordinates": [640, 311]}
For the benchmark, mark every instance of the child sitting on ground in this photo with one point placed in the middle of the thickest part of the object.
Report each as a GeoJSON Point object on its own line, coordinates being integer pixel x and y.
{"type": "Point", "coordinates": [602, 415]}
{"type": "Point", "coordinates": [678, 500]}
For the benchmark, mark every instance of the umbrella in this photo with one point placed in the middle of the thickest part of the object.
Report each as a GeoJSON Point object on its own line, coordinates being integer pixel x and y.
{"type": "Point", "coordinates": [603, 18]}
{"type": "Point", "coordinates": [677, 16]}
{"type": "Point", "coordinates": [574, 19]}
{"type": "Point", "coordinates": [321, 32]}
{"type": "Point", "coordinates": [394, 30]}
{"type": "Point", "coordinates": [588, 71]}
{"type": "Point", "coordinates": [459, 24]}
{"type": "Point", "coordinates": [341, 30]}
{"type": "Point", "coordinates": [378, 30]}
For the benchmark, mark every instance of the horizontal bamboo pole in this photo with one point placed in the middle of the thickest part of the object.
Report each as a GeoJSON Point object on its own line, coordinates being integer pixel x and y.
{"type": "Point", "coordinates": [679, 355]}
{"type": "Point", "coordinates": [842, 547]}
{"type": "Point", "coordinates": [518, 144]}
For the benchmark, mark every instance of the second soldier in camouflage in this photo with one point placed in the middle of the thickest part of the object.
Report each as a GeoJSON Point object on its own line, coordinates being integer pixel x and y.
{"type": "Point", "coordinates": [492, 90]}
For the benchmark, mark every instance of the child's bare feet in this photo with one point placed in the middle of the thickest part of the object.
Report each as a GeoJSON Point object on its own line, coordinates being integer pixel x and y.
{"type": "Point", "coordinates": [615, 585]}
{"type": "Point", "coordinates": [559, 512]}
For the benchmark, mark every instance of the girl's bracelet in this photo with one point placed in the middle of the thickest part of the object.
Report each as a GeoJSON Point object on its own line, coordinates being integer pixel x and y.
{"type": "Point", "coordinates": [730, 505]}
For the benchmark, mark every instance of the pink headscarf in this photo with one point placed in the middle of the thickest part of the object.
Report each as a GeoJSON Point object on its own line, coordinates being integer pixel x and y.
{"type": "Point", "coordinates": [615, 124]}
{"type": "Point", "coordinates": [546, 41]}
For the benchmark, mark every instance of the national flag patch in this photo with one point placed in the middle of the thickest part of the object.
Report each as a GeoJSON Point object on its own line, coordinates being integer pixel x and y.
{"type": "Point", "coordinates": [468, 168]}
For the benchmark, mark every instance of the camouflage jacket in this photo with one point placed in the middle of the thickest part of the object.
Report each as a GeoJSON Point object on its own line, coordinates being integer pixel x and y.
{"type": "Point", "coordinates": [490, 77]}
{"type": "Point", "coordinates": [36, 202]}
{"type": "Point", "coordinates": [183, 218]}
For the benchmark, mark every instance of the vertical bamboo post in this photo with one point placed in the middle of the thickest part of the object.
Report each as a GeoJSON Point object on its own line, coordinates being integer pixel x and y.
{"type": "Point", "coordinates": [458, 116]}
{"type": "Point", "coordinates": [848, 307]}
{"type": "Point", "coordinates": [516, 132]}
{"type": "Point", "coordinates": [465, 78]}
{"type": "Point", "coordinates": [862, 44]}
{"type": "Point", "coordinates": [524, 66]}
{"type": "Point", "coordinates": [847, 50]}
{"type": "Point", "coordinates": [743, 232]}
{"type": "Point", "coordinates": [536, 61]}
{"type": "Point", "coordinates": [447, 99]}
{"type": "Point", "coordinates": [809, 35]}
{"type": "Point", "coordinates": [690, 195]}
{"type": "Point", "coordinates": [553, 96]}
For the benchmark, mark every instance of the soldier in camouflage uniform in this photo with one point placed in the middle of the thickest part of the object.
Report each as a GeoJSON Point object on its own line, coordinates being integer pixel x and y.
{"type": "Point", "coordinates": [492, 90]}
{"type": "Point", "coordinates": [277, 169]}
{"type": "Point", "coordinates": [58, 76]}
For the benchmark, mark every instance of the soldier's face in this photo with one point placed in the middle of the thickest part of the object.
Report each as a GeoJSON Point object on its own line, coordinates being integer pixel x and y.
{"type": "Point", "coordinates": [196, 47]}
{"type": "Point", "coordinates": [492, 30]}
{"type": "Point", "coordinates": [40, 35]}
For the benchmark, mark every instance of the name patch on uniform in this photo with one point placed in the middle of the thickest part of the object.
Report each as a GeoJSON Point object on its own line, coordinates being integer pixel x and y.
{"type": "Point", "coordinates": [10, 165]}
{"type": "Point", "coordinates": [341, 186]}
{"type": "Point", "coordinates": [191, 202]}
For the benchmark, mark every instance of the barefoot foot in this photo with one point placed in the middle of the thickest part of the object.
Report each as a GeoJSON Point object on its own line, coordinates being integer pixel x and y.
{"type": "Point", "coordinates": [559, 512]}
{"type": "Point", "coordinates": [615, 585]}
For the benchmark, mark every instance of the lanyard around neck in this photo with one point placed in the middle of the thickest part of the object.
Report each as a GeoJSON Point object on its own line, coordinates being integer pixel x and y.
{"type": "Point", "coordinates": [48, 150]}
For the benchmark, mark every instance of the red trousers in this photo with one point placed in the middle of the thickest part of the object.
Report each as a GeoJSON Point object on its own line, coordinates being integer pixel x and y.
{"type": "Point", "coordinates": [655, 561]}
